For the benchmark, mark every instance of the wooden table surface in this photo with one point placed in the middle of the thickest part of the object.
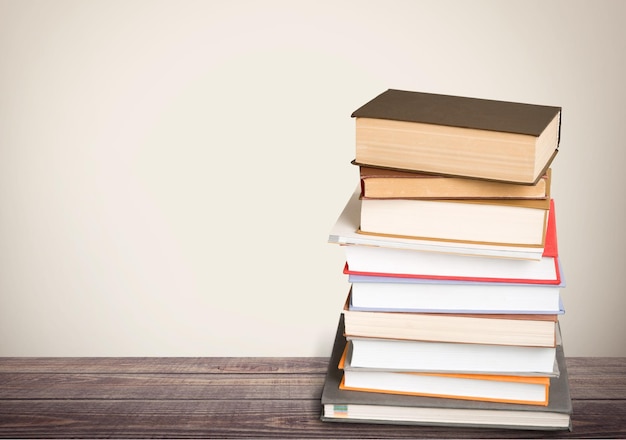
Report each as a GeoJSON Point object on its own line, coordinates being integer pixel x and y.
{"type": "Point", "coordinates": [240, 397]}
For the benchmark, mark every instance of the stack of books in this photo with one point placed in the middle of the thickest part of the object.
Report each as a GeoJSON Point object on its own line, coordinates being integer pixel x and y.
{"type": "Point", "coordinates": [450, 237]}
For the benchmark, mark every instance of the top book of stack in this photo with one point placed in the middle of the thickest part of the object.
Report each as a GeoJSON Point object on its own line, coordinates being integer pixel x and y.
{"type": "Point", "coordinates": [457, 136]}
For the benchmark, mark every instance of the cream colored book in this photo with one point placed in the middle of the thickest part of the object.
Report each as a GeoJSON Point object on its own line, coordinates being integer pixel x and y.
{"type": "Point", "coordinates": [508, 222]}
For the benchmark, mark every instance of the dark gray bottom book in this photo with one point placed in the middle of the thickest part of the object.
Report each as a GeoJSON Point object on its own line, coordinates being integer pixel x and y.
{"type": "Point", "coordinates": [368, 407]}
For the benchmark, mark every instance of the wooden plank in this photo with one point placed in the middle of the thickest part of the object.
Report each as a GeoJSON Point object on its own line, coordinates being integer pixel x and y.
{"type": "Point", "coordinates": [613, 366]}
{"type": "Point", "coordinates": [590, 378]}
{"type": "Point", "coordinates": [597, 378]}
{"type": "Point", "coordinates": [609, 365]}
{"type": "Point", "coordinates": [160, 386]}
{"type": "Point", "coordinates": [173, 365]}
{"type": "Point", "coordinates": [253, 418]}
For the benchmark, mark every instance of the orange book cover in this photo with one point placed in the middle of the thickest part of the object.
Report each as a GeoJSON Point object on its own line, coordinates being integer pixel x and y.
{"type": "Point", "coordinates": [544, 402]}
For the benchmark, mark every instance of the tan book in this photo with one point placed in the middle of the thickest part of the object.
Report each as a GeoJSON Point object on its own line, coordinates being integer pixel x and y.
{"type": "Point", "coordinates": [512, 221]}
{"type": "Point", "coordinates": [509, 329]}
{"type": "Point", "coordinates": [382, 183]}
{"type": "Point", "coordinates": [457, 136]}
{"type": "Point", "coordinates": [346, 231]}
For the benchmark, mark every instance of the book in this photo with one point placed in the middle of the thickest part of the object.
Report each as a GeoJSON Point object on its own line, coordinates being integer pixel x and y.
{"type": "Point", "coordinates": [346, 231]}
{"type": "Point", "coordinates": [441, 296]}
{"type": "Point", "coordinates": [402, 263]}
{"type": "Point", "coordinates": [449, 357]}
{"type": "Point", "coordinates": [362, 407]}
{"type": "Point", "coordinates": [525, 390]}
{"type": "Point", "coordinates": [458, 136]}
{"type": "Point", "coordinates": [381, 183]}
{"type": "Point", "coordinates": [499, 329]}
{"type": "Point", "coordinates": [508, 222]}
{"type": "Point", "coordinates": [407, 280]}
{"type": "Point", "coordinates": [394, 262]}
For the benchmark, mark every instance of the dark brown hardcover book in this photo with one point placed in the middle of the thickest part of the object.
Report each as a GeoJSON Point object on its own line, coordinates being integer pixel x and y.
{"type": "Point", "coordinates": [457, 136]}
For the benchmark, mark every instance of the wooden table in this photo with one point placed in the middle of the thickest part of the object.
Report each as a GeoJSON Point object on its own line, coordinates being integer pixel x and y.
{"type": "Point", "coordinates": [240, 397]}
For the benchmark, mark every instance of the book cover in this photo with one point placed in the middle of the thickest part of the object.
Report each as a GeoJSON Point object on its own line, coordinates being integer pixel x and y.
{"type": "Point", "coordinates": [408, 264]}
{"type": "Point", "coordinates": [407, 280]}
{"type": "Point", "coordinates": [459, 111]}
{"type": "Point", "coordinates": [525, 390]}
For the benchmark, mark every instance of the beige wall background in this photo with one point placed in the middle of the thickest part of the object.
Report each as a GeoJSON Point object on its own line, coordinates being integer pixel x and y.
{"type": "Point", "coordinates": [170, 170]}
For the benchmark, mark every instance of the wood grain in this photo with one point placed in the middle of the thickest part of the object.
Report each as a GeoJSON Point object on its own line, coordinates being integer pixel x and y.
{"type": "Point", "coordinates": [240, 398]}
{"type": "Point", "coordinates": [174, 365]}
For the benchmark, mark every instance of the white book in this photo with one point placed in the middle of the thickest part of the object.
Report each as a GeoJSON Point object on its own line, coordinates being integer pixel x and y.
{"type": "Point", "coordinates": [450, 357]}
{"type": "Point", "coordinates": [456, 298]}
{"type": "Point", "coordinates": [512, 389]}
{"type": "Point", "coordinates": [379, 261]}
{"type": "Point", "coordinates": [346, 231]}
